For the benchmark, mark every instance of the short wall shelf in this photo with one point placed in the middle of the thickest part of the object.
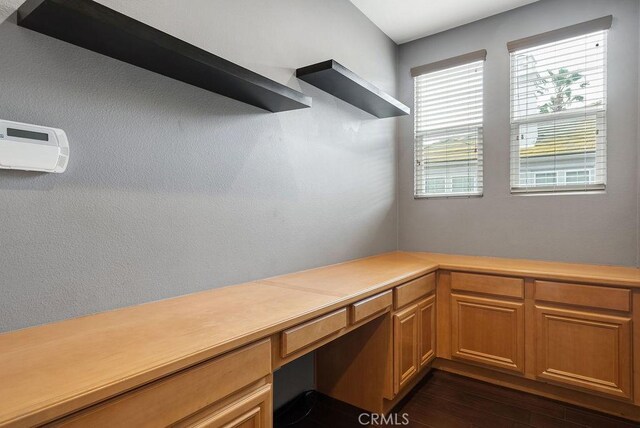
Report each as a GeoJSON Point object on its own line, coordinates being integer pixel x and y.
{"type": "Point", "coordinates": [90, 25]}
{"type": "Point", "coordinates": [342, 83]}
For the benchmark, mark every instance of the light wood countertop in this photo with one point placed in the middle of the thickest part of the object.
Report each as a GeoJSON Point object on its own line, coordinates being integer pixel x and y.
{"type": "Point", "coordinates": [597, 274]}
{"type": "Point", "coordinates": [48, 371]}
{"type": "Point", "coordinates": [356, 278]}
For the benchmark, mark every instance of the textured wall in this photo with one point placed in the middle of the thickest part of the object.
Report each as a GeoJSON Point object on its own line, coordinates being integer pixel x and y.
{"type": "Point", "coordinates": [591, 228]}
{"type": "Point", "coordinates": [172, 189]}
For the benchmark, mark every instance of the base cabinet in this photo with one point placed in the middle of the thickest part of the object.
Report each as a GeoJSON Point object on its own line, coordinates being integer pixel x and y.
{"type": "Point", "coordinates": [253, 410]}
{"type": "Point", "coordinates": [413, 341]}
{"type": "Point", "coordinates": [427, 324]}
{"type": "Point", "coordinates": [405, 347]}
{"type": "Point", "coordinates": [230, 391]}
{"type": "Point", "coordinates": [584, 349]}
{"type": "Point", "coordinates": [488, 331]}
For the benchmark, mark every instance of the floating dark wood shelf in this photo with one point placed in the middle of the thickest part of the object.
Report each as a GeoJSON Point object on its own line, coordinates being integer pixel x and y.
{"type": "Point", "coordinates": [93, 26]}
{"type": "Point", "coordinates": [342, 83]}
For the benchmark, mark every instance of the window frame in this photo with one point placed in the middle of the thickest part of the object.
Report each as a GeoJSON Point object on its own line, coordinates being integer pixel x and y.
{"type": "Point", "coordinates": [478, 131]}
{"type": "Point", "coordinates": [598, 113]}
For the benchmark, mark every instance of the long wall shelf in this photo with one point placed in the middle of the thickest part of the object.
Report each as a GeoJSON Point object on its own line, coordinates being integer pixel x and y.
{"type": "Point", "coordinates": [90, 25]}
{"type": "Point", "coordinates": [342, 83]}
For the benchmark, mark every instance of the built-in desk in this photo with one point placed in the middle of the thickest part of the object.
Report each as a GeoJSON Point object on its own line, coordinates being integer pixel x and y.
{"type": "Point", "coordinates": [99, 362]}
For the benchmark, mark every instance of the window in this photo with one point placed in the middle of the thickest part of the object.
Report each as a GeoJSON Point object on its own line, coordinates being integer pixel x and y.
{"type": "Point", "coordinates": [558, 110]}
{"type": "Point", "coordinates": [546, 178]}
{"type": "Point", "coordinates": [448, 127]}
{"type": "Point", "coordinates": [578, 177]}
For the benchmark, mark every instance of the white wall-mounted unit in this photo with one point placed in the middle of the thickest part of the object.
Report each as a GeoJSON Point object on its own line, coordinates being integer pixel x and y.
{"type": "Point", "coordinates": [33, 148]}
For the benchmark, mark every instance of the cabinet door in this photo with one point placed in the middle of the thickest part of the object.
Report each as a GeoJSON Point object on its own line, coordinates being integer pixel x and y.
{"type": "Point", "coordinates": [584, 349]}
{"type": "Point", "coordinates": [253, 410]}
{"type": "Point", "coordinates": [488, 331]}
{"type": "Point", "coordinates": [427, 330]}
{"type": "Point", "coordinates": [405, 347]}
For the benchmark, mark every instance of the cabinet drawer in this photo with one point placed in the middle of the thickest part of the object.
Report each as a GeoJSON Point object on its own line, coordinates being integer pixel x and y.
{"type": "Point", "coordinates": [251, 410]}
{"type": "Point", "coordinates": [183, 394]}
{"type": "Point", "coordinates": [488, 284]}
{"type": "Point", "coordinates": [593, 296]}
{"type": "Point", "coordinates": [303, 335]}
{"type": "Point", "coordinates": [413, 290]}
{"type": "Point", "coordinates": [371, 306]}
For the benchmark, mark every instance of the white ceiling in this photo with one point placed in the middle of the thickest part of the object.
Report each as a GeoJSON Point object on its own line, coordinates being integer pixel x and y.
{"type": "Point", "coordinates": [406, 20]}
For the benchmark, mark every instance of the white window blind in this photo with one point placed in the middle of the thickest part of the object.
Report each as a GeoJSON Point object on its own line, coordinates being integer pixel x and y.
{"type": "Point", "coordinates": [558, 113]}
{"type": "Point", "coordinates": [448, 128]}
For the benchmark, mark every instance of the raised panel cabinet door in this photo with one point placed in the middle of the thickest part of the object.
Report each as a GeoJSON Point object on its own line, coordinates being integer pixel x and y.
{"type": "Point", "coordinates": [405, 347]}
{"type": "Point", "coordinates": [427, 330]}
{"type": "Point", "coordinates": [253, 410]}
{"type": "Point", "coordinates": [585, 350]}
{"type": "Point", "coordinates": [488, 332]}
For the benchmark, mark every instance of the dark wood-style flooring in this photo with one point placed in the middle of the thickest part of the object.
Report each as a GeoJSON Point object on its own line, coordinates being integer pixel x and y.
{"type": "Point", "coordinates": [445, 400]}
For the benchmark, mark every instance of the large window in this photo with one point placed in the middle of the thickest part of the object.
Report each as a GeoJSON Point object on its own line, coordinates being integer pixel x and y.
{"type": "Point", "coordinates": [448, 127]}
{"type": "Point", "coordinates": [558, 114]}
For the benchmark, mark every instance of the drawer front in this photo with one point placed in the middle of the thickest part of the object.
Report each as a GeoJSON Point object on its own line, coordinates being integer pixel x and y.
{"type": "Point", "coordinates": [304, 335]}
{"type": "Point", "coordinates": [252, 410]}
{"type": "Point", "coordinates": [371, 306]}
{"type": "Point", "coordinates": [618, 299]}
{"type": "Point", "coordinates": [412, 291]}
{"type": "Point", "coordinates": [488, 284]}
{"type": "Point", "coordinates": [178, 396]}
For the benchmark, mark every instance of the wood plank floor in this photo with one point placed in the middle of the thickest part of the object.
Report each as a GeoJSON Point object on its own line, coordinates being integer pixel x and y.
{"type": "Point", "coordinates": [445, 400]}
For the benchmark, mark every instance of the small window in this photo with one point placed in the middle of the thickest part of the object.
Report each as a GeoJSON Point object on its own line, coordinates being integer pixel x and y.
{"type": "Point", "coordinates": [579, 177]}
{"type": "Point", "coordinates": [546, 178]}
{"type": "Point", "coordinates": [463, 184]}
{"type": "Point", "coordinates": [437, 185]}
{"type": "Point", "coordinates": [448, 127]}
{"type": "Point", "coordinates": [558, 115]}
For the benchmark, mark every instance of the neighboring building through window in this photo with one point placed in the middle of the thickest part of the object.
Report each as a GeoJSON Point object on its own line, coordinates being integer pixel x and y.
{"type": "Point", "coordinates": [448, 124]}
{"type": "Point", "coordinates": [558, 113]}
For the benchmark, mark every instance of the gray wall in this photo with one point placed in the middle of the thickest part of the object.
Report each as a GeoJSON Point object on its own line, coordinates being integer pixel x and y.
{"type": "Point", "coordinates": [172, 189]}
{"type": "Point", "coordinates": [600, 228]}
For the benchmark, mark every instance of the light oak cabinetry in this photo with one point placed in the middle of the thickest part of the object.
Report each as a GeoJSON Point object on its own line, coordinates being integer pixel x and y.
{"type": "Point", "coordinates": [488, 284]}
{"type": "Point", "coordinates": [413, 290]}
{"type": "Point", "coordinates": [568, 332]}
{"type": "Point", "coordinates": [377, 363]}
{"type": "Point", "coordinates": [299, 337]}
{"type": "Point", "coordinates": [427, 330]}
{"type": "Point", "coordinates": [405, 347]}
{"type": "Point", "coordinates": [617, 299]}
{"type": "Point", "coordinates": [488, 331]}
{"type": "Point", "coordinates": [370, 307]}
{"type": "Point", "coordinates": [584, 337]}
{"type": "Point", "coordinates": [585, 350]}
{"type": "Point", "coordinates": [579, 335]}
{"type": "Point", "coordinates": [253, 410]}
{"type": "Point", "coordinates": [189, 393]}
{"type": "Point", "coordinates": [414, 331]}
